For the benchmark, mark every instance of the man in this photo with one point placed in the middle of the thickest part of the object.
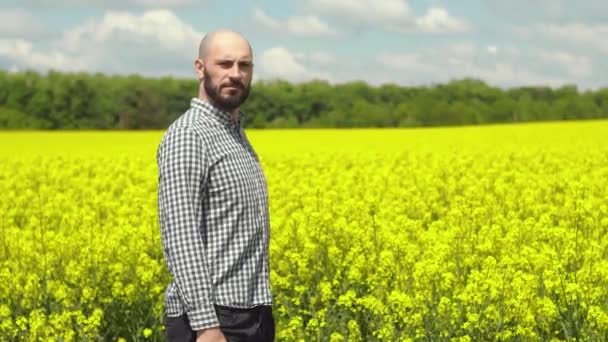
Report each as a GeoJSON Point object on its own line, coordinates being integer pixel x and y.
{"type": "Point", "coordinates": [213, 207]}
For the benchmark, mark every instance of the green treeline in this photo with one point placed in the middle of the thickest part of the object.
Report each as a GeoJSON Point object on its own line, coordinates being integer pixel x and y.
{"type": "Point", "coordinates": [30, 100]}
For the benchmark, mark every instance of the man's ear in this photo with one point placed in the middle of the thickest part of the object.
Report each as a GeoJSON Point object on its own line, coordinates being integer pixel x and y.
{"type": "Point", "coordinates": [199, 69]}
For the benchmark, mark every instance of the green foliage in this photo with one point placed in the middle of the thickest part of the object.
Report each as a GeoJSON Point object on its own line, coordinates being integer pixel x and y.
{"type": "Point", "coordinates": [14, 119]}
{"type": "Point", "coordinates": [84, 101]}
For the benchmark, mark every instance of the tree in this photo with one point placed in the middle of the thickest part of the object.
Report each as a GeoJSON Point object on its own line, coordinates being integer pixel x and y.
{"type": "Point", "coordinates": [505, 110]}
{"type": "Point", "coordinates": [59, 100]}
{"type": "Point", "coordinates": [14, 119]}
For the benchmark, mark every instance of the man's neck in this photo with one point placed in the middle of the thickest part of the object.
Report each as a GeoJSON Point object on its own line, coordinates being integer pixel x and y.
{"type": "Point", "coordinates": [234, 114]}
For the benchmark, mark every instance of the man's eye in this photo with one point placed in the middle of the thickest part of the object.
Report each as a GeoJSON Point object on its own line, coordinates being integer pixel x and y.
{"type": "Point", "coordinates": [226, 64]}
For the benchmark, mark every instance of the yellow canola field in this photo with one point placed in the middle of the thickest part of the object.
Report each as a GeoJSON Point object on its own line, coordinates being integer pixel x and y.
{"type": "Point", "coordinates": [456, 234]}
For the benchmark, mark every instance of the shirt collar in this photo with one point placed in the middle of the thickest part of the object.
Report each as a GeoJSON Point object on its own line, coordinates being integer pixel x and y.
{"type": "Point", "coordinates": [223, 117]}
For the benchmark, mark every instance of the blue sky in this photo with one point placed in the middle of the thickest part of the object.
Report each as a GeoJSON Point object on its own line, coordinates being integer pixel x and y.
{"type": "Point", "coordinates": [505, 43]}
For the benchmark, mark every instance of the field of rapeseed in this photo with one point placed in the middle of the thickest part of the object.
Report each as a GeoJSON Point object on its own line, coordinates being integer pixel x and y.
{"type": "Point", "coordinates": [462, 234]}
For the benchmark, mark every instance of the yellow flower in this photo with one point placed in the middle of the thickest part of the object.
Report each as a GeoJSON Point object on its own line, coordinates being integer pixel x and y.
{"type": "Point", "coordinates": [438, 235]}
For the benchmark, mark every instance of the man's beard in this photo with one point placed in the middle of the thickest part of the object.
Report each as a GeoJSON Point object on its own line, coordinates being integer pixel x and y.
{"type": "Point", "coordinates": [227, 102]}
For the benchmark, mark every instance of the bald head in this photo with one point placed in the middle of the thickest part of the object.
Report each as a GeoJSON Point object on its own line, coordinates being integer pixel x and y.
{"type": "Point", "coordinates": [223, 40]}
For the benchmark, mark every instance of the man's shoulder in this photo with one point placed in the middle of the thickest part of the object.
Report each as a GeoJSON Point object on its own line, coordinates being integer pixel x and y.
{"type": "Point", "coordinates": [191, 123]}
{"type": "Point", "coordinates": [188, 122]}
{"type": "Point", "coordinates": [195, 120]}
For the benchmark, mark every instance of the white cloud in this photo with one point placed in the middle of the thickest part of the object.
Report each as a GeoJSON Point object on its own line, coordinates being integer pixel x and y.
{"type": "Point", "coordinates": [363, 10]}
{"type": "Point", "coordinates": [504, 73]}
{"type": "Point", "coordinates": [511, 51]}
{"type": "Point", "coordinates": [22, 53]}
{"type": "Point", "coordinates": [457, 53]}
{"type": "Point", "coordinates": [304, 26]}
{"type": "Point", "coordinates": [19, 23]}
{"type": "Point", "coordinates": [438, 20]}
{"type": "Point", "coordinates": [154, 43]}
{"type": "Point", "coordinates": [110, 4]}
{"type": "Point", "coordinates": [260, 17]}
{"type": "Point", "coordinates": [160, 27]}
{"type": "Point", "coordinates": [406, 61]}
{"type": "Point", "coordinates": [580, 34]}
{"type": "Point", "coordinates": [308, 26]}
{"type": "Point", "coordinates": [162, 3]}
{"type": "Point", "coordinates": [492, 49]}
{"type": "Point", "coordinates": [526, 11]}
{"type": "Point", "coordinates": [322, 57]}
{"type": "Point", "coordinates": [464, 60]}
{"type": "Point", "coordinates": [279, 62]}
{"type": "Point", "coordinates": [462, 50]}
{"type": "Point", "coordinates": [12, 20]}
{"type": "Point", "coordinates": [390, 15]}
{"type": "Point", "coordinates": [573, 65]}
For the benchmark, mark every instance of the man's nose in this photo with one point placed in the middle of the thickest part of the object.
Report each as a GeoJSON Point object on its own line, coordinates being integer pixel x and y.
{"type": "Point", "coordinates": [235, 71]}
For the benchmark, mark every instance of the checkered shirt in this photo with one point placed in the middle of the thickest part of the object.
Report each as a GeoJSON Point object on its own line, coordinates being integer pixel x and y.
{"type": "Point", "coordinates": [213, 215]}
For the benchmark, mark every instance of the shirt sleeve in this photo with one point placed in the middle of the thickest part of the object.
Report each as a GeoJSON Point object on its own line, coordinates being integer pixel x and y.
{"type": "Point", "coordinates": [182, 170]}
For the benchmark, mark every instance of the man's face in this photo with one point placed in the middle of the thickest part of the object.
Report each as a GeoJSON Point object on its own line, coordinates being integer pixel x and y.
{"type": "Point", "coordinates": [226, 95]}
{"type": "Point", "coordinates": [227, 73]}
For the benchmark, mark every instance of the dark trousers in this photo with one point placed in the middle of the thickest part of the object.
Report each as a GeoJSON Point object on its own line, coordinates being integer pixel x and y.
{"type": "Point", "coordinates": [238, 325]}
